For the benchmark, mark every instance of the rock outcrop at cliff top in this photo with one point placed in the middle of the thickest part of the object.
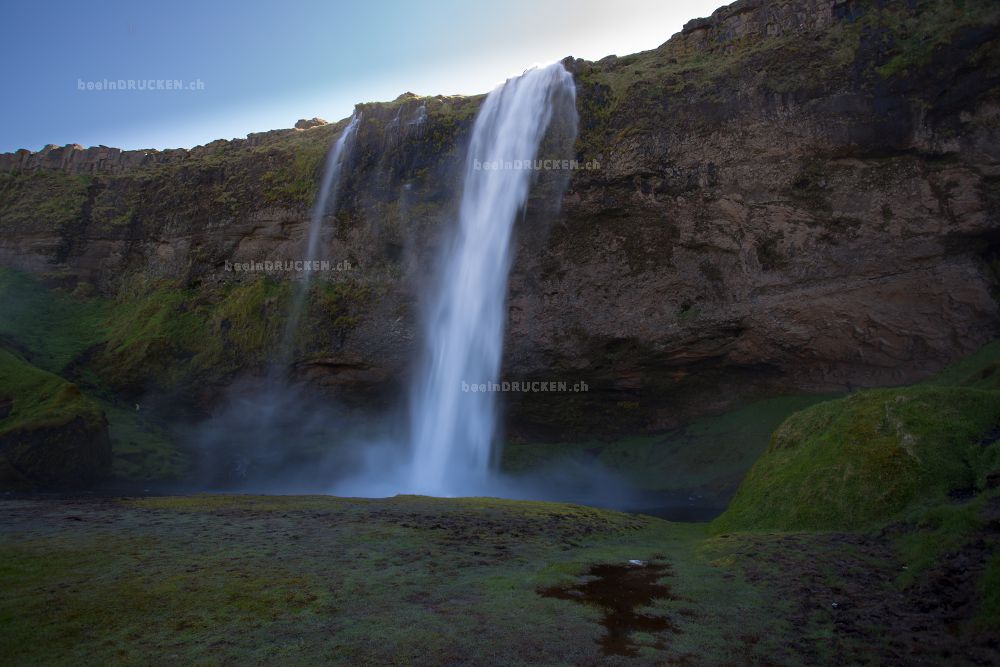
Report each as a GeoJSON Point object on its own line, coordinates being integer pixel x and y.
{"type": "Point", "coordinates": [787, 196]}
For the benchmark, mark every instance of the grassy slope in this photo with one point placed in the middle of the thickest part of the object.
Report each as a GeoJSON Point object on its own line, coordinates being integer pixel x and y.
{"type": "Point", "coordinates": [919, 464]}
{"type": "Point", "coordinates": [860, 460]}
{"type": "Point", "coordinates": [41, 415]}
{"type": "Point", "coordinates": [52, 327]}
{"type": "Point", "coordinates": [56, 331]}
{"type": "Point", "coordinates": [300, 580]}
{"type": "Point", "coordinates": [39, 399]}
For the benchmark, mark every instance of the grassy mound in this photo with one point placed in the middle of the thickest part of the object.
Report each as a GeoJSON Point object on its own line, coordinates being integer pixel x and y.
{"type": "Point", "coordinates": [866, 458]}
{"type": "Point", "coordinates": [51, 434]}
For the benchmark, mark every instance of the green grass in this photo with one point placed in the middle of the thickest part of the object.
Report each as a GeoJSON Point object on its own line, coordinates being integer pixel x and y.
{"type": "Point", "coordinates": [39, 399]}
{"type": "Point", "coordinates": [53, 327]}
{"type": "Point", "coordinates": [142, 449]}
{"type": "Point", "coordinates": [710, 455]}
{"type": "Point", "coordinates": [412, 580]}
{"type": "Point", "coordinates": [51, 434]}
{"type": "Point", "coordinates": [860, 460]}
{"type": "Point", "coordinates": [935, 529]}
{"type": "Point", "coordinates": [316, 580]}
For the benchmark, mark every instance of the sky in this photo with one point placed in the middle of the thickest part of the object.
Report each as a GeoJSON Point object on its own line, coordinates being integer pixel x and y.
{"type": "Point", "coordinates": [254, 66]}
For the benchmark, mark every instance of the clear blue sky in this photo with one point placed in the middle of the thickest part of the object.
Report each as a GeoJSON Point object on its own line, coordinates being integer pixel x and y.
{"type": "Point", "coordinates": [265, 65]}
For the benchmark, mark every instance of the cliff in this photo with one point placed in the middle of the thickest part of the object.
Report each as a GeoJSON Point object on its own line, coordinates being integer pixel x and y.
{"type": "Point", "coordinates": [791, 196]}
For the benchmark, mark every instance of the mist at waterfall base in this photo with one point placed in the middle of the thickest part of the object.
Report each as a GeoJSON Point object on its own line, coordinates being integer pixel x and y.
{"type": "Point", "coordinates": [443, 441]}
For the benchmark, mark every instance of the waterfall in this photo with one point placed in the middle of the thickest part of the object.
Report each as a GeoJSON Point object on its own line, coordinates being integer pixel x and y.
{"type": "Point", "coordinates": [326, 201]}
{"type": "Point", "coordinates": [452, 429]}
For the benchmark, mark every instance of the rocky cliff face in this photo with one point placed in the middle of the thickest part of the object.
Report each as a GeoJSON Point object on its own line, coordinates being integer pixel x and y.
{"type": "Point", "coordinates": [789, 196]}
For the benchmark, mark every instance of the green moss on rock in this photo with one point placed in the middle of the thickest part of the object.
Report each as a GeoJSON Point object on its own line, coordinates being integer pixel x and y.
{"type": "Point", "coordinates": [863, 459]}
{"type": "Point", "coordinates": [51, 434]}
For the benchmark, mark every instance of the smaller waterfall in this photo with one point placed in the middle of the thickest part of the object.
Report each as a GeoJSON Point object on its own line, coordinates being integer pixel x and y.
{"type": "Point", "coordinates": [326, 201]}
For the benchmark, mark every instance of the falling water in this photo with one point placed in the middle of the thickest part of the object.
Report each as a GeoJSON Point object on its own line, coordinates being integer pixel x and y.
{"type": "Point", "coordinates": [452, 429]}
{"type": "Point", "coordinates": [326, 200]}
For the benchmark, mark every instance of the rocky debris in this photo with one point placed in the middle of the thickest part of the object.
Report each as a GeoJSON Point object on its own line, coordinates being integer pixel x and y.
{"type": "Point", "coordinates": [747, 20]}
{"type": "Point", "coordinates": [304, 124]}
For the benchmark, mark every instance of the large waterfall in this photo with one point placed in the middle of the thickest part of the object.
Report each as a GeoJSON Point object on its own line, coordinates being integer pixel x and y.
{"type": "Point", "coordinates": [452, 429]}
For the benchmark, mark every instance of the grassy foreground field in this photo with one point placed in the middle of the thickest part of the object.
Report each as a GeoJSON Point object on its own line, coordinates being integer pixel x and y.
{"type": "Point", "coordinates": [412, 580]}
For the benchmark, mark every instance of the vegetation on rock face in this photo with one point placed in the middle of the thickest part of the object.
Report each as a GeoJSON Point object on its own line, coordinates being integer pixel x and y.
{"type": "Point", "coordinates": [37, 199]}
{"type": "Point", "coordinates": [51, 435]}
{"type": "Point", "coordinates": [53, 327]}
{"type": "Point", "coordinates": [158, 337]}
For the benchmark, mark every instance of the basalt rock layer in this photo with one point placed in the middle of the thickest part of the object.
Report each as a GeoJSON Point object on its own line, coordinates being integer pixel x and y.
{"type": "Point", "coordinates": [788, 196]}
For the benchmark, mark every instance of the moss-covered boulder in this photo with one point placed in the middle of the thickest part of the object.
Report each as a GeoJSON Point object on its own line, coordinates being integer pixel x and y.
{"type": "Point", "coordinates": [863, 459]}
{"type": "Point", "coordinates": [51, 434]}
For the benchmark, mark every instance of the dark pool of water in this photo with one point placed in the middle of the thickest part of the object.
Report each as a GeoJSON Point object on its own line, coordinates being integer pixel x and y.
{"type": "Point", "coordinates": [619, 591]}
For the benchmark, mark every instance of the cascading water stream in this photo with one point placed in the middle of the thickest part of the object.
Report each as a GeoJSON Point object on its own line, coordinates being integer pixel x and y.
{"type": "Point", "coordinates": [326, 200]}
{"type": "Point", "coordinates": [452, 429]}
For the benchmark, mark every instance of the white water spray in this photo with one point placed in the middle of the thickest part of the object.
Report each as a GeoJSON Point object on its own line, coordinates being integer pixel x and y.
{"type": "Point", "coordinates": [452, 429]}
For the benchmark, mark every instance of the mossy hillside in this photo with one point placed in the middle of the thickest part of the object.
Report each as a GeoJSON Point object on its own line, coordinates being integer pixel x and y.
{"type": "Point", "coordinates": [52, 327]}
{"type": "Point", "coordinates": [157, 336]}
{"type": "Point", "coordinates": [51, 434]}
{"type": "Point", "coordinates": [39, 399]}
{"type": "Point", "coordinates": [860, 460]}
{"type": "Point", "coordinates": [914, 37]}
